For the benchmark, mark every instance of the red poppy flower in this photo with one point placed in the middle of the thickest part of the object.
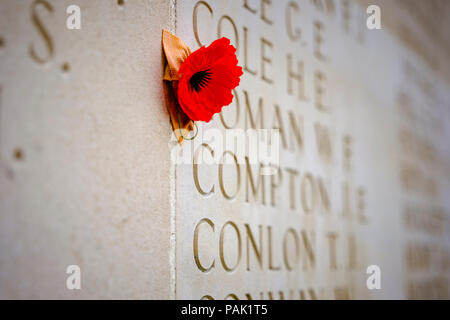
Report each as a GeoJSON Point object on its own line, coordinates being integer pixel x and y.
{"type": "Point", "coordinates": [207, 77]}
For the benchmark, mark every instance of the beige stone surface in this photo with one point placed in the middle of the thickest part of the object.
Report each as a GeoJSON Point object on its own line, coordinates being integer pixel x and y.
{"type": "Point", "coordinates": [368, 74]}
{"type": "Point", "coordinates": [92, 182]}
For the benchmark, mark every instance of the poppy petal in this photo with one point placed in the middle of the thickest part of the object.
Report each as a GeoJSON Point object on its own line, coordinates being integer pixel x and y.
{"type": "Point", "coordinates": [207, 78]}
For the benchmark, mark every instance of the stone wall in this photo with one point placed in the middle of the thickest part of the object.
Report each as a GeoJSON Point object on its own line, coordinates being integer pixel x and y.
{"type": "Point", "coordinates": [91, 175]}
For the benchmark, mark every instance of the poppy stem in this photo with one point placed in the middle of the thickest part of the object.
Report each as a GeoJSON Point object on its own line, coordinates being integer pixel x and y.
{"type": "Point", "coordinates": [181, 129]}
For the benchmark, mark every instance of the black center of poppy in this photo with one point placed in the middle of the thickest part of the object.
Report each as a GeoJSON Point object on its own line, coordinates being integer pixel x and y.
{"type": "Point", "coordinates": [200, 80]}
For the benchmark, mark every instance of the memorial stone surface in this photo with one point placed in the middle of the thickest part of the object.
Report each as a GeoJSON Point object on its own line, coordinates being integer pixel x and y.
{"type": "Point", "coordinates": [92, 175]}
